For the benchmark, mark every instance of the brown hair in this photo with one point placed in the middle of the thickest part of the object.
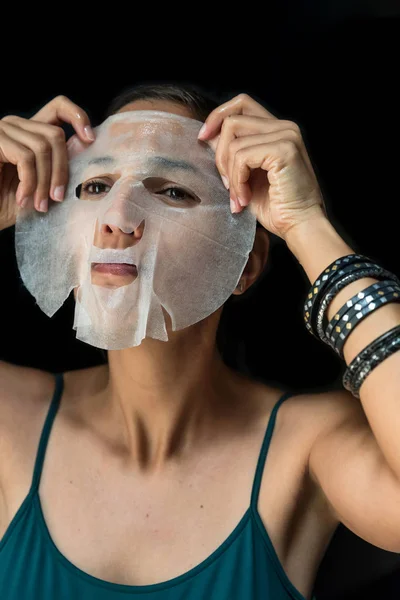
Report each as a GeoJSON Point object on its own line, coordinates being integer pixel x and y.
{"type": "Point", "coordinates": [200, 102]}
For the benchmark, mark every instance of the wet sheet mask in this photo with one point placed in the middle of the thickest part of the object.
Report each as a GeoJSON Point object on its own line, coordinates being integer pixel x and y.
{"type": "Point", "coordinates": [145, 193]}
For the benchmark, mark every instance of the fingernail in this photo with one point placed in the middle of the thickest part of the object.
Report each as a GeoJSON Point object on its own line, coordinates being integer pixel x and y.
{"type": "Point", "coordinates": [233, 206]}
{"type": "Point", "coordinates": [202, 131]}
{"type": "Point", "coordinates": [225, 181]}
{"type": "Point", "coordinates": [59, 193]}
{"type": "Point", "coordinates": [89, 133]}
{"type": "Point", "coordinates": [43, 206]}
{"type": "Point", "coordinates": [24, 202]}
{"type": "Point", "coordinates": [241, 202]}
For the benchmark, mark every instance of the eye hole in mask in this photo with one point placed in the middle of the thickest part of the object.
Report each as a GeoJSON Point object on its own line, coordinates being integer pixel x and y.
{"type": "Point", "coordinates": [94, 189]}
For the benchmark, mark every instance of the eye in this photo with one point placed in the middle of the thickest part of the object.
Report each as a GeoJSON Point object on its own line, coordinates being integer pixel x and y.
{"type": "Point", "coordinates": [171, 193]}
{"type": "Point", "coordinates": [92, 189]}
{"type": "Point", "coordinates": [95, 187]}
{"type": "Point", "coordinates": [176, 193]}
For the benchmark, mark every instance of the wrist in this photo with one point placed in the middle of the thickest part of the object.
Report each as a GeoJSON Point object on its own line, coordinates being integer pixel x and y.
{"type": "Point", "coordinates": [316, 244]}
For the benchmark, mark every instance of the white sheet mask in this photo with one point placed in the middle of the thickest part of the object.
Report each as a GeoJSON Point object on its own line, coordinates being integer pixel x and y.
{"type": "Point", "coordinates": [188, 248]}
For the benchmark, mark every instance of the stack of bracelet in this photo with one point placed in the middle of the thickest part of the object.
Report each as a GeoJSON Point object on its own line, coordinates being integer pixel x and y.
{"type": "Point", "coordinates": [338, 275]}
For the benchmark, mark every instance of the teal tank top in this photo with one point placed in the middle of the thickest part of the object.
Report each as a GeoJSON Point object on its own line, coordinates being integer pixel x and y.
{"type": "Point", "coordinates": [244, 567]}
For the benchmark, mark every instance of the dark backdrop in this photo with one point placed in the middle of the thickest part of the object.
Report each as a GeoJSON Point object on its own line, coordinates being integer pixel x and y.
{"type": "Point", "coordinates": [332, 68]}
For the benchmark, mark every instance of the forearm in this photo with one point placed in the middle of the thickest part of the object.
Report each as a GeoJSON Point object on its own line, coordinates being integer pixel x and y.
{"type": "Point", "coordinates": [316, 244]}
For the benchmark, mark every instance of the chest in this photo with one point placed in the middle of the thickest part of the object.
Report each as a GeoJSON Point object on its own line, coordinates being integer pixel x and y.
{"type": "Point", "coordinates": [138, 530]}
{"type": "Point", "coordinates": [119, 526]}
{"type": "Point", "coordinates": [126, 528]}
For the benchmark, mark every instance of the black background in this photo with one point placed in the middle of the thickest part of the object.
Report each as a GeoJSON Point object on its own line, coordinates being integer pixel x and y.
{"type": "Point", "coordinates": [332, 68]}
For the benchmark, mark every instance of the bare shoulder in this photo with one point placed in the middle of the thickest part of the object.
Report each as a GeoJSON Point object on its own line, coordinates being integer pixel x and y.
{"type": "Point", "coordinates": [306, 412]}
{"type": "Point", "coordinates": [307, 417]}
{"type": "Point", "coordinates": [315, 414]}
{"type": "Point", "coordinates": [23, 391]}
{"type": "Point", "coordinates": [329, 410]}
{"type": "Point", "coordinates": [321, 416]}
{"type": "Point", "coordinates": [25, 395]}
{"type": "Point", "coordinates": [301, 418]}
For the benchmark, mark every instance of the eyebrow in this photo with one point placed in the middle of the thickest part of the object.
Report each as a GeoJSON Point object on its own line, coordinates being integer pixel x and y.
{"type": "Point", "coordinates": [159, 161]}
{"type": "Point", "coordinates": [101, 160]}
{"type": "Point", "coordinates": [170, 163]}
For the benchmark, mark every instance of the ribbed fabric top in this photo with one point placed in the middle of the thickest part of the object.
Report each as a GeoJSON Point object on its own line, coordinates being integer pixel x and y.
{"type": "Point", "coordinates": [244, 567]}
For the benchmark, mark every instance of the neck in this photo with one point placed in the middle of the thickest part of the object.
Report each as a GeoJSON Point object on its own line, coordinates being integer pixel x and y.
{"type": "Point", "coordinates": [165, 394]}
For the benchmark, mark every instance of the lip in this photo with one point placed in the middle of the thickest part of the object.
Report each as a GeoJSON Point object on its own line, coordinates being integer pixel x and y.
{"type": "Point", "coordinates": [121, 269]}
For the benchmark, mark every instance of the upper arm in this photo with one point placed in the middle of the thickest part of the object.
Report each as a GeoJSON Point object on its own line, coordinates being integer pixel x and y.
{"type": "Point", "coordinates": [346, 462]}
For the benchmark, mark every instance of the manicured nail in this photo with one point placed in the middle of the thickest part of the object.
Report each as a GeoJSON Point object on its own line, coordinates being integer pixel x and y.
{"type": "Point", "coordinates": [225, 181]}
{"type": "Point", "coordinates": [202, 131]}
{"type": "Point", "coordinates": [89, 133]}
{"type": "Point", "coordinates": [234, 208]}
{"type": "Point", "coordinates": [43, 206]}
{"type": "Point", "coordinates": [59, 193]}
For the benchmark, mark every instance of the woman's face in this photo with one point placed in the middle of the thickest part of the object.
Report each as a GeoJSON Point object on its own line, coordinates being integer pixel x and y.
{"type": "Point", "coordinates": [100, 276]}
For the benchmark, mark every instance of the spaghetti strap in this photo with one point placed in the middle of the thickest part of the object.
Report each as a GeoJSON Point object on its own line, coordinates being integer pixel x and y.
{"type": "Point", "coordinates": [264, 450]}
{"type": "Point", "coordinates": [55, 402]}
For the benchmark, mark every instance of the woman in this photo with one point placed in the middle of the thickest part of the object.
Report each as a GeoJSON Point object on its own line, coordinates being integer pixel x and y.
{"type": "Point", "coordinates": [138, 490]}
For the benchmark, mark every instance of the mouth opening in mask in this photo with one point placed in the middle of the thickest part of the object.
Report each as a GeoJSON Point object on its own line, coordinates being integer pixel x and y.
{"type": "Point", "coordinates": [115, 268]}
{"type": "Point", "coordinates": [113, 274]}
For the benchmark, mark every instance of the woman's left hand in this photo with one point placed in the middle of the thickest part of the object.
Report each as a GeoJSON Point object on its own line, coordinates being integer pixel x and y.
{"type": "Point", "coordinates": [264, 163]}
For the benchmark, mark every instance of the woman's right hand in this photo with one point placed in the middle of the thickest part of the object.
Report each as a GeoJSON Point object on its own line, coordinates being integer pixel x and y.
{"type": "Point", "coordinates": [34, 156]}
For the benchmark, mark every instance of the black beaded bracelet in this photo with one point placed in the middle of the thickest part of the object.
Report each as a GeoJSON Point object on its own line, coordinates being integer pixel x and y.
{"type": "Point", "coordinates": [379, 356]}
{"type": "Point", "coordinates": [367, 352]}
{"type": "Point", "coordinates": [369, 358]}
{"type": "Point", "coordinates": [356, 299]}
{"type": "Point", "coordinates": [344, 277]}
{"type": "Point", "coordinates": [320, 285]}
{"type": "Point", "coordinates": [364, 305]}
{"type": "Point", "coordinates": [335, 277]}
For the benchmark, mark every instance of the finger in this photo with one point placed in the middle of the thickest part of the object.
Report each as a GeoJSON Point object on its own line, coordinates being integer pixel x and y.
{"type": "Point", "coordinates": [75, 146]}
{"type": "Point", "coordinates": [62, 109]}
{"type": "Point", "coordinates": [240, 105]}
{"type": "Point", "coordinates": [213, 143]}
{"type": "Point", "coordinates": [291, 135]}
{"type": "Point", "coordinates": [237, 146]}
{"type": "Point", "coordinates": [42, 150]}
{"type": "Point", "coordinates": [23, 158]}
{"type": "Point", "coordinates": [242, 125]}
{"type": "Point", "coordinates": [268, 156]}
{"type": "Point", "coordinates": [245, 161]}
{"type": "Point", "coordinates": [59, 164]}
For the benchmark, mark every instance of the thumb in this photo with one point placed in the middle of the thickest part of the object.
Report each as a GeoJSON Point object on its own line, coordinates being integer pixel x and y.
{"type": "Point", "coordinates": [75, 146]}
